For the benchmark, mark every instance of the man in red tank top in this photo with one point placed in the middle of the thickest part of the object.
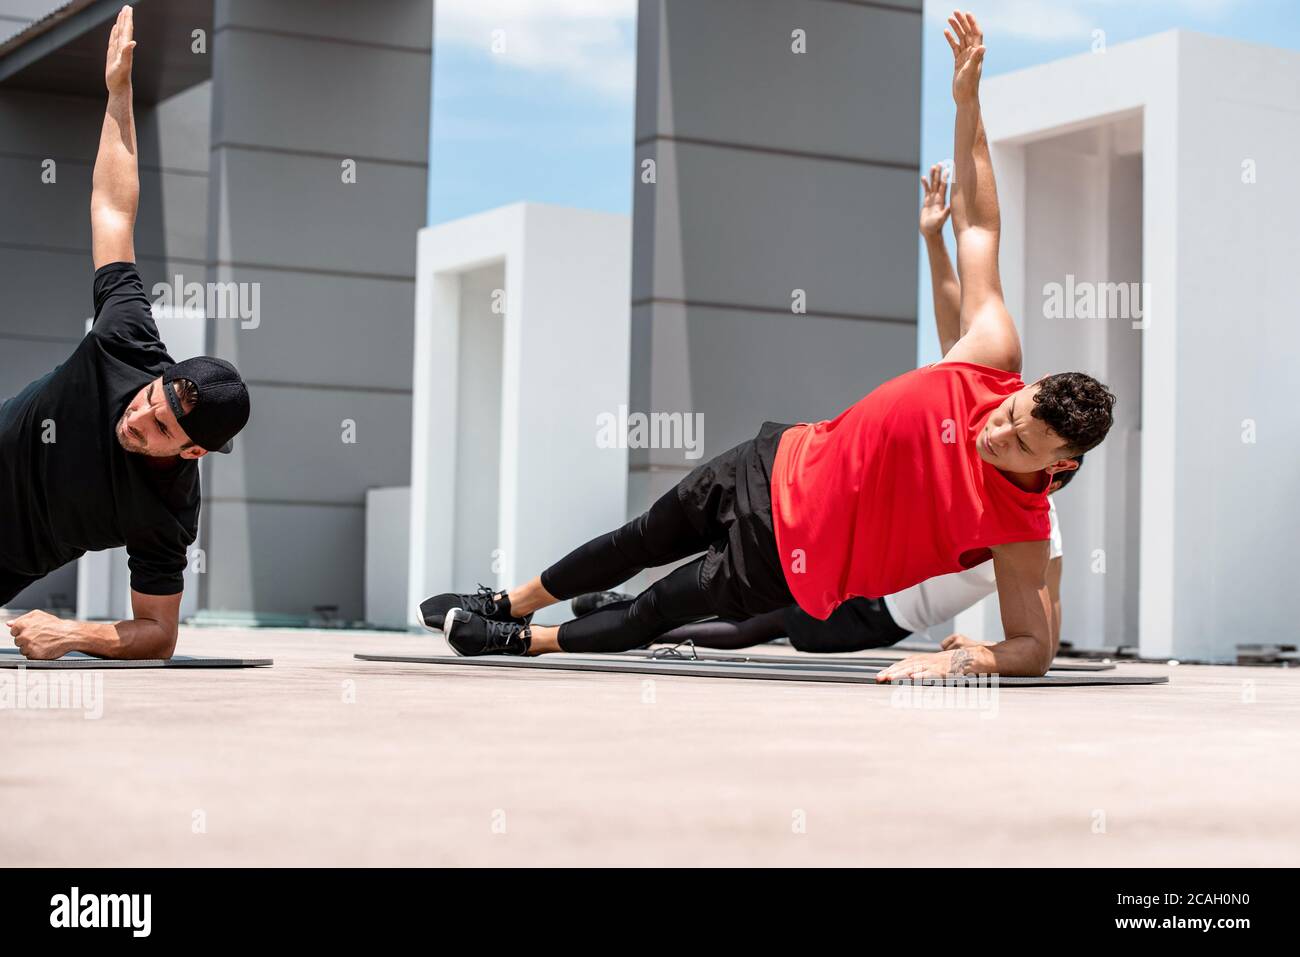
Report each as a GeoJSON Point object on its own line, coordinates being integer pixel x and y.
{"type": "Point", "coordinates": [936, 469]}
{"type": "Point", "coordinates": [930, 473]}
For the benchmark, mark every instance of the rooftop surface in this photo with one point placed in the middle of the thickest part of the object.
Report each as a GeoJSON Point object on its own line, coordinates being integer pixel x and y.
{"type": "Point", "coordinates": [323, 760]}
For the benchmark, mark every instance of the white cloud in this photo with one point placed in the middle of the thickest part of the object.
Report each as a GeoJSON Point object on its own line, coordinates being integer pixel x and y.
{"type": "Point", "coordinates": [1031, 19]}
{"type": "Point", "coordinates": [1061, 19]}
{"type": "Point", "coordinates": [589, 42]}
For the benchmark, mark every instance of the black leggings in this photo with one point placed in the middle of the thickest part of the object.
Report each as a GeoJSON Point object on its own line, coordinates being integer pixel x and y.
{"type": "Point", "coordinates": [731, 635]}
{"type": "Point", "coordinates": [857, 625]}
{"type": "Point", "coordinates": [661, 536]}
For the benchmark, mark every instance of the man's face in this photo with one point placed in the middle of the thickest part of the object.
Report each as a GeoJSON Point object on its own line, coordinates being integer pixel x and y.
{"type": "Point", "coordinates": [148, 427]}
{"type": "Point", "coordinates": [1014, 441]}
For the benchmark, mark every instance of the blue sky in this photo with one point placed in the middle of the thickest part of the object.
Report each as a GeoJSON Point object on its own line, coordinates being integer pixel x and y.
{"type": "Point", "coordinates": [1023, 33]}
{"type": "Point", "coordinates": [533, 99]}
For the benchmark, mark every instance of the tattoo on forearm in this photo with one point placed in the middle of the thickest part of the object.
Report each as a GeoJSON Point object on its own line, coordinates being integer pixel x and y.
{"type": "Point", "coordinates": [963, 662]}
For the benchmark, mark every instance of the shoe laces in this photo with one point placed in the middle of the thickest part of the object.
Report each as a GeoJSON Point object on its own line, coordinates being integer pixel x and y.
{"type": "Point", "coordinates": [675, 651]}
{"type": "Point", "coordinates": [488, 598]}
{"type": "Point", "coordinates": [500, 633]}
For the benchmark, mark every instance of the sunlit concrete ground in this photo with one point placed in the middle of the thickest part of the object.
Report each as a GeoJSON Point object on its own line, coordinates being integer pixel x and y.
{"type": "Point", "coordinates": [326, 760]}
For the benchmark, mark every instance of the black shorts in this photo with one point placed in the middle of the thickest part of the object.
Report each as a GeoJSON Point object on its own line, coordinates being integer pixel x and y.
{"type": "Point", "coordinates": [729, 502]}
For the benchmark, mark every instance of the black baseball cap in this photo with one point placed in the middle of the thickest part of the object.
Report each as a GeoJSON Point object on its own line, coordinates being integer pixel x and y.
{"type": "Point", "coordinates": [222, 409]}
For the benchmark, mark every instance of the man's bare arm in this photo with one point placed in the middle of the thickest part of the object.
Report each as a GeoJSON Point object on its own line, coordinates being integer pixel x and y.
{"type": "Point", "coordinates": [943, 279]}
{"type": "Point", "coordinates": [115, 194]}
{"type": "Point", "coordinates": [957, 640]}
{"type": "Point", "coordinates": [1023, 594]}
{"type": "Point", "coordinates": [151, 633]}
{"type": "Point", "coordinates": [988, 333]}
{"type": "Point", "coordinates": [1030, 643]}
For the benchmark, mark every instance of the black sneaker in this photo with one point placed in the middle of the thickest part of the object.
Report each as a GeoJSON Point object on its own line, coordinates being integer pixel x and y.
{"type": "Point", "coordinates": [586, 604]}
{"type": "Point", "coordinates": [494, 606]}
{"type": "Point", "coordinates": [470, 635]}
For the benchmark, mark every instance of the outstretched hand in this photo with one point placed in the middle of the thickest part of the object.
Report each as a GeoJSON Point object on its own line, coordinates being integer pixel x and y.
{"type": "Point", "coordinates": [967, 42]}
{"type": "Point", "coordinates": [121, 49]}
{"type": "Point", "coordinates": [934, 203]}
{"type": "Point", "coordinates": [943, 664]}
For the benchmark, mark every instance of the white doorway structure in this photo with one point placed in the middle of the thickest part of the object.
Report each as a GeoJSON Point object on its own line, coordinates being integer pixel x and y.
{"type": "Point", "coordinates": [1165, 162]}
{"type": "Point", "coordinates": [521, 345]}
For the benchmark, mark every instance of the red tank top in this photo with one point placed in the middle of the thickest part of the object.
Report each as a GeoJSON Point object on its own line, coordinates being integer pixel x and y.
{"type": "Point", "coordinates": [892, 491]}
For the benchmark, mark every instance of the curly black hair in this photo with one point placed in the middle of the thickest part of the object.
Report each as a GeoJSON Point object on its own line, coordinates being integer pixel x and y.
{"type": "Point", "coordinates": [1076, 407]}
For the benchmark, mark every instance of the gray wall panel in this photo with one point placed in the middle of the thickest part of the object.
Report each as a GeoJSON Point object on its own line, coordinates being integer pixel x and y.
{"type": "Point", "coordinates": [23, 361]}
{"type": "Point", "coordinates": [293, 448]}
{"type": "Point", "coordinates": [369, 323]}
{"type": "Point", "coordinates": [791, 100]}
{"type": "Point", "coordinates": [46, 294]}
{"type": "Point", "coordinates": [285, 559]}
{"type": "Point", "coordinates": [747, 228]}
{"type": "Point", "coordinates": [651, 60]}
{"type": "Point", "coordinates": [58, 213]}
{"type": "Point", "coordinates": [399, 22]}
{"type": "Point", "coordinates": [325, 99]}
{"type": "Point", "coordinates": [47, 124]}
{"type": "Point", "coordinates": [44, 214]}
{"type": "Point", "coordinates": [295, 211]}
{"type": "Point", "coordinates": [174, 223]}
{"type": "Point", "coordinates": [173, 134]}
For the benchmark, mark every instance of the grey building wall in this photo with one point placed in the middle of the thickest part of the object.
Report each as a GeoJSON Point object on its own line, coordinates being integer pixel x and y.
{"type": "Point", "coordinates": [36, 327]}
{"type": "Point", "coordinates": [45, 259]}
{"type": "Point", "coordinates": [299, 87]}
{"type": "Point", "coordinates": [775, 171]}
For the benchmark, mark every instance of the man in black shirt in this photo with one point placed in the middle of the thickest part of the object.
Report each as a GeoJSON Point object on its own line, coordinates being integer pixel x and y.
{"type": "Point", "coordinates": [102, 452]}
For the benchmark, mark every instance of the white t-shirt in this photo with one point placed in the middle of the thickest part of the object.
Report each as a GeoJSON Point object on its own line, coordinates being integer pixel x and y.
{"type": "Point", "coordinates": [937, 599]}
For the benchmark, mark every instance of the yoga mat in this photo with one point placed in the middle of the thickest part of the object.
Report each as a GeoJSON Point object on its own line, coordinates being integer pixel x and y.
{"type": "Point", "coordinates": [750, 670]}
{"type": "Point", "coordinates": [10, 658]}
{"type": "Point", "coordinates": [714, 654]}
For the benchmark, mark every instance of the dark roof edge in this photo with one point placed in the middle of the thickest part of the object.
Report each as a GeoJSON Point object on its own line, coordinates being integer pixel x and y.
{"type": "Point", "coordinates": [53, 31]}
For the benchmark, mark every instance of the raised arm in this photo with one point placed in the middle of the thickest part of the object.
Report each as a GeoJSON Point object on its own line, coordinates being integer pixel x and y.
{"type": "Point", "coordinates": [115, 194]}
{"type": "Point", "coordinates": [943, 280]}
{"type": "Point", "coordinates": [988, 333]}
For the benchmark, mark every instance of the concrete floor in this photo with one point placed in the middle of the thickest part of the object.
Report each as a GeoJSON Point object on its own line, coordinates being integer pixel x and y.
{"type": "Point", "coordinates": [325, 760]}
